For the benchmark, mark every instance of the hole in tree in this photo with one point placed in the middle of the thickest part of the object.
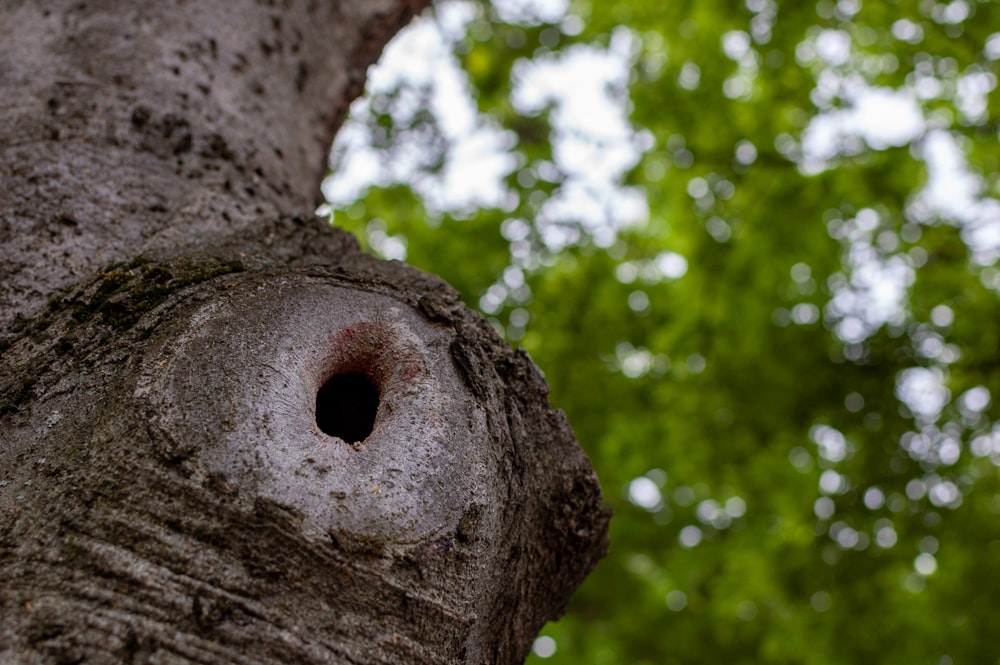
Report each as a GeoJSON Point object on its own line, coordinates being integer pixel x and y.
{"type": "Point", "coordinates": [346, 406]}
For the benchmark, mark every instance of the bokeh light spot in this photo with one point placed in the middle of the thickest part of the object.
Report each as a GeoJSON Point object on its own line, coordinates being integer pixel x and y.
{"type": "Point", "coordinates": [544, 646]}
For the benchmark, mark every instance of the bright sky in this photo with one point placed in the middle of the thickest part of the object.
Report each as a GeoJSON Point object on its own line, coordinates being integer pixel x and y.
{"type": "Point", "coordinates": [594, 144]}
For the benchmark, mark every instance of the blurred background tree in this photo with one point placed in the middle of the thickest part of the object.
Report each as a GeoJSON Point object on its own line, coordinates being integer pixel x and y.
{"type": "Point", "coordinates": [753, 246]}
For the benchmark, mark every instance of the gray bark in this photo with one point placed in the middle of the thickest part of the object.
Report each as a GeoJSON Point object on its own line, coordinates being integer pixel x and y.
{"type": "Point", "coordinates": [169, 489]}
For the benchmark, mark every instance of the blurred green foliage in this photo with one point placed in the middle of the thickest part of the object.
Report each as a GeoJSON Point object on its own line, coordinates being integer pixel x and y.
{"type": "Point", "coordinates": [803, 466]}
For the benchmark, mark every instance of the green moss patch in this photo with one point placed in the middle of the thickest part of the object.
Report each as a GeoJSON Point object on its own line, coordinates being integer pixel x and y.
{"type": "Point", "coordinates": [125, 293]}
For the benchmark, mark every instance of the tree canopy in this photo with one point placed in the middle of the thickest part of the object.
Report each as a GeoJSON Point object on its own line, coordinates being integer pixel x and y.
{"type": "Point", "coordinates": [753, 246]}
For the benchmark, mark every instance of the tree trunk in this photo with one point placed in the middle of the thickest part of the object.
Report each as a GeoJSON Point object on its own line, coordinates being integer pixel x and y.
{"type": "Point", "coordinates": [227, 435]}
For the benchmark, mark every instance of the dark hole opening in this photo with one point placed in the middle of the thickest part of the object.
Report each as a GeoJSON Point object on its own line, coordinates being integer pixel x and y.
{"type": "Point", "coordinates": [346, 407]}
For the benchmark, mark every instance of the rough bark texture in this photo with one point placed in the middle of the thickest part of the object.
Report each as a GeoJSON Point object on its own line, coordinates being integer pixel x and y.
{"type": "Point", "coordinates": [166, 493]}
{"type": "Point", "coordinates": [135, 127]}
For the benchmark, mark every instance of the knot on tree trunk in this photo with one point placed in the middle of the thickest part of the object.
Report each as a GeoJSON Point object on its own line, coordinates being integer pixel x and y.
{"type": "Point", "coordinates": [343, 405]}
{"type": "Point", "coordinates": [310, 455]}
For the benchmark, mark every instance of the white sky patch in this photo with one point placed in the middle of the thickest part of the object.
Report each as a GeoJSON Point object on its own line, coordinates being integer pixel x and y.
{"type": "Point", "coordinates": [544, 646]}
{"type": "Point", "coordinates": [906, 30]}
{"type": "Point", "coordinates": [417, 52]}
{"type": "Point", "coordinates": [885, 536]}
{"type": "Point", "coordinates": [391, 247]}
{"type": "Point", "coordinates": [874, 498]}
{"type": "Point", "coordinates": [671, 265]}
{"type": "Point", "coordinates": [592, 142]}
{"type": "Point", "coordinates": [637, 362]}
{"type": "Point", "coordinates": [925, 564]}
{"type": "Point", "coordinates": [834, 47]}
{"type": "Point", "coordinates": [923, 391]}
{"type": "Point", "coordinates": [955, 193]}
{"type": "Point", "coordinates": [879, 117]}
{"type": "Point", "coordinates": [875, 292]}
{"type": "Point", "coordinates": [955, 11]}
{"type": "Point", "coordinates": [975, 400]}
{"type": "Point", "coordinates": [824, 507]}
{"type": "Point", "coordinates": [992, 47]}
{"type": "Point", "coordinates": [736, 44]}
{"type": "Point", "coordinates": [831, 443]}
{"type": "Point", "coordinates": [478, 154]}
{"type": "Point", "coordinates": [971, 93]}
{"type": "Point", "coordinates": [644, 493]}
{"type": "Point", "coordinates": [474, 171]}
{"type": "Point", "coordinates": [885, 117]}
{"type": "Point", "coordinates": [942, 493]}
{"type": "Point", "coordinates": [931, 445]}
{"type": "Point", "coordinates": [690, 536]}
{"type": "Point", "coordinates": [359, 166]}
{"type": "Point", "coordinates": [531, 12]}
{"type": "Point", "coordinates": [831, 482]}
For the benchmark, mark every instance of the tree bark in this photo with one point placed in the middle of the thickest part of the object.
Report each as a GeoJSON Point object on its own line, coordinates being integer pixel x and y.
{"type": "Point", "coordinates": [226, 434]}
